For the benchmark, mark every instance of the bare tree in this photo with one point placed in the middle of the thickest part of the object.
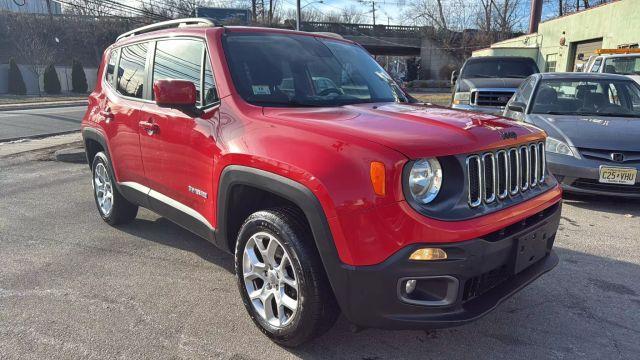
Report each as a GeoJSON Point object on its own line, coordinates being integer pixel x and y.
{"type": "Point", "coordinates": [33, 43]}
{"type": "Point", "coordinates": [352, 15]}
{"type": "Point", "coordinates": [90, 7]}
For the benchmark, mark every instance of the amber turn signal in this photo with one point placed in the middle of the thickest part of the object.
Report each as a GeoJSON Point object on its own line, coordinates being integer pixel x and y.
{"type": "Point", "coordinates": [428, 254]}
{"type": "Point", "coordinates": [378, 178]}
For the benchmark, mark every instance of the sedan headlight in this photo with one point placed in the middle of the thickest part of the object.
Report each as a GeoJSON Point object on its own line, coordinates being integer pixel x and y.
{"type": "Point", "coordinates": [461, 98]}
{"type": "Point", "coordinates": [425, 180]}
{"type": "Point", "coordinates": [556, 146]}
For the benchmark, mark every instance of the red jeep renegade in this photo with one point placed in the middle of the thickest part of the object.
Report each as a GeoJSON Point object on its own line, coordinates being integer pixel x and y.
{"type": "Point", "coordinates": [335, 190]}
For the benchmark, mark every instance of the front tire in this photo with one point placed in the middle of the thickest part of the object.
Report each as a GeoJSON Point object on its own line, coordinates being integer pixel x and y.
{"type": "Point", "coordinates": [112, 206]}
{"type": "Point", "coordinates": [281, 279]}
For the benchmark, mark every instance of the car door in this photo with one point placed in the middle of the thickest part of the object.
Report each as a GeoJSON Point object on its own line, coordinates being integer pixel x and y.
{"type": "Point", "coordinates": [178, 153]}
{"type": "Point", "coordinates": [120, 108]}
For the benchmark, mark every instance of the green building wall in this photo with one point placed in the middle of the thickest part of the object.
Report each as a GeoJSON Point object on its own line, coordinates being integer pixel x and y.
{"type": "Point", "coordinates": [617, 24]}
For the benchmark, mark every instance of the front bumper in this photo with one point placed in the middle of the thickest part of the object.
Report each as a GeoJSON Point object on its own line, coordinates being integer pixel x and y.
{"type": "Point", "coordinates": [479, 274]}
{"type": "Point", "coordinates": [582, 176]}
{"type": "Point", "coordinates": [492, 110]}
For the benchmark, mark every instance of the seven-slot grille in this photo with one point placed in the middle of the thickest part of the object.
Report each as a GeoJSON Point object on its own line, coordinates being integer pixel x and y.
{"type": "Point", "coordinates": [495, 175]}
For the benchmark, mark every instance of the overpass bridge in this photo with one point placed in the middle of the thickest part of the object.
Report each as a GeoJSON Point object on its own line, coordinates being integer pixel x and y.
{"type": "Point", "coordinates": [377, 39]}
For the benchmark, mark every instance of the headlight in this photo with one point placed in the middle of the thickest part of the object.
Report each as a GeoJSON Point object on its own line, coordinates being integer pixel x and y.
{"type": "Point", "coordinates": [461, 98]}
{"type": "Point", "coordinates": [425, 179]}
{"type": "Point", "coordinates": [558, 147]}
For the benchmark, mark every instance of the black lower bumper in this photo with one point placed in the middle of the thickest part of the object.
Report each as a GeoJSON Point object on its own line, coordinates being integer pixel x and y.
{"type": "Point", "coordinates": [478, 275]}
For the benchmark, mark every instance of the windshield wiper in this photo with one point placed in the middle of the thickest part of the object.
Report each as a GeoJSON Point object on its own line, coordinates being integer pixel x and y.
{"type": "Point", "coordinates": [619, 115]}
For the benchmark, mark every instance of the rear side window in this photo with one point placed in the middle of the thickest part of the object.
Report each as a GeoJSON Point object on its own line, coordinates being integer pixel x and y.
{"type": "Point", "coordinates": [131, 71]}
{"type": "Point", "coordinates": [179, 59]}
{"type": "Point", "coordinates": [111, 66]}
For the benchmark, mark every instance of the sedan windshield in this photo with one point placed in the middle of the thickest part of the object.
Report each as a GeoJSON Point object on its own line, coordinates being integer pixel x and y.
{"type": "Point", "coordinates": [627, 65]}
{"type": "Point", "coordinates": [588, 97]}
{"type": "Point", "coordinates": [284, 70]}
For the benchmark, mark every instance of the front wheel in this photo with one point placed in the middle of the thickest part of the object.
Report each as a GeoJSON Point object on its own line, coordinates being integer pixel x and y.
{"type": "Point", "coordinates": [281, 279]}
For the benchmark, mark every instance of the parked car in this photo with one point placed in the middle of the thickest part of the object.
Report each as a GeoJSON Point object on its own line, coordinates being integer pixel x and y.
{"type": "Point", "coordinates": [400, 215]}
{"type": "Point", "coordinates": [615, 63]}
{"type": "Point", "coordinates": [593, 123]}
{"type": "Point", "coordinates": [486, 84]}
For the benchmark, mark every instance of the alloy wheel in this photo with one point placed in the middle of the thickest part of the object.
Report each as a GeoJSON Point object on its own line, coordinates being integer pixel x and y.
{"type": "Point", "coordinates": [104, 189]}
{"type": "Point", "coordinates": [270, 279]}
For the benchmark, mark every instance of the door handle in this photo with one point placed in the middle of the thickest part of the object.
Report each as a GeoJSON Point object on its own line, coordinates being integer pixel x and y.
{"type": "Point", "coordinates": [150, 127]}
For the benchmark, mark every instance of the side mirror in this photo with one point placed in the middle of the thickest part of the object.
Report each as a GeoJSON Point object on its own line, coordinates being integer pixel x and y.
{"type": "Point", "coordinates": [517, 107]}
{"type": "Point", "coordinates": [175, 93]}
{"type": "Point", "coordinates": [454, 77]}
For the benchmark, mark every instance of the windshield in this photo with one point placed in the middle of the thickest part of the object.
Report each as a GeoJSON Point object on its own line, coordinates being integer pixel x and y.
{"type": "Point", "coordinates": [591, 97]}
{"type": "Point", "coordinates": [297, 70]}
{"type": "Point", "coordinates": [623, 65]}
{"type": "Point", "coordinates": [503, 68]}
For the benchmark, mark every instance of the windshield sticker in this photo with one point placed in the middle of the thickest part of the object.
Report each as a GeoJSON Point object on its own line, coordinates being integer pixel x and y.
{"type": "Point", "coordinates": [261, 90]}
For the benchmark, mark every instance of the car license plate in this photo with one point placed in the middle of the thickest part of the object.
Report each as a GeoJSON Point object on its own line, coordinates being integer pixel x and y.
{"type": "Point", "coordinates": [618, 175]}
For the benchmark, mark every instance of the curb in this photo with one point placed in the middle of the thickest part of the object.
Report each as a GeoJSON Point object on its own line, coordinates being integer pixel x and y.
{"type": "Point", "coordinates": [75, 155]}
{"type": "Point", "coordinates": [44, 105]}
{"type": "Point", "coordinates": [38, 136]}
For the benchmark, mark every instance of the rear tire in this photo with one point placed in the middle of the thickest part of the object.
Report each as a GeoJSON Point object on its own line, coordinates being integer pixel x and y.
{"type": "Point", "coordinates": [277, 262]}
{"type": "Point", "coordinates": [112, 206]}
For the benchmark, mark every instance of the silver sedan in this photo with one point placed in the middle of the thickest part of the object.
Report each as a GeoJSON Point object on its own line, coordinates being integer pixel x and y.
{"type": "Point", "coordinates": [593, 124]}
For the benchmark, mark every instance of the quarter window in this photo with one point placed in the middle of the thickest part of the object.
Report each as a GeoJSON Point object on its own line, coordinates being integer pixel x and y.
{"type": "Point", "coordinates": [210, 93]}
{"type": "Point", "coordinates": [111, 66]}
{"type": "Point", "coordinates": [179, 59]}
{"type": "Point", "coordinates": [131, 73]}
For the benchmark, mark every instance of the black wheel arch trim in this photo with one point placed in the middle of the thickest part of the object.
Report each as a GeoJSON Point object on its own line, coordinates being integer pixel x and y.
{"type": "Point", "coordinates": [95, 135]}
{"type": "Point", "coordinates": [301, 196]}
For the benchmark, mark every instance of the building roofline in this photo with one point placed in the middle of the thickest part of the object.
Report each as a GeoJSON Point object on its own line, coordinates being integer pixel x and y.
{"type": "Point", "coordinates": [580, 11]}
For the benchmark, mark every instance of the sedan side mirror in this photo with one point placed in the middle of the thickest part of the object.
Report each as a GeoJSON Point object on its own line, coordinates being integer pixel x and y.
{"type": "Point", "coordinates": [454, 77]}
{"type": "Point", "coordinates": [175, 93]}
{"type": "Point", "coordinates": [517, 107]}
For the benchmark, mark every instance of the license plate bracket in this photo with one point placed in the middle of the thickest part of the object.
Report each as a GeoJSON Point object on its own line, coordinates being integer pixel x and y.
{"type": "Point", "coordinates": [530, 248]}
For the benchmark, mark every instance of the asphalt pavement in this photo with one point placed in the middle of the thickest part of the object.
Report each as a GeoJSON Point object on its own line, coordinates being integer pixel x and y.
{"type": "Point", "coordinates": [73, 287]}
{"type": "Point", "coordinates": [16, 124]}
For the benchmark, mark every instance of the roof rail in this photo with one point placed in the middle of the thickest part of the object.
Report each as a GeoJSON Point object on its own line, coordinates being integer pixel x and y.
{"type": "Point", "coordinates": [177, 23]}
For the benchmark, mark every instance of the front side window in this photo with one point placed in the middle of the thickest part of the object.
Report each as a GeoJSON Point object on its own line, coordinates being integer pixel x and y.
{"type": "Point", "coordinates": [296, 70]}
{"type": "Point", "coordinates": [111, 66]}
{"type": "Point", "coordinates": [131, 70]}
{"type": "Point", "coordinates": [179, 59]}
{"type": "Point", "coordinates": [596, 65]}
{"type": "Point", "coordinates": [587, 97]}
{"type": "Point", "coordinates": [623, 65]}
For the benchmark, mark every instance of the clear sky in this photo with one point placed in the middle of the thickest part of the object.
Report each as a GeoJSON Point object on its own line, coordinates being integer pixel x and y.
{"type": "Point", "coordinates": [390, 11]}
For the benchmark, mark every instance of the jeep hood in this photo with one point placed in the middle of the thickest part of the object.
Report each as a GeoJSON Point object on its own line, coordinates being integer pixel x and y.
{"type": "Point", "coordinates": [414, 130]}
{"type": "Point", "coordinates": [595, 132]}
{"type": "Point", "coordinates": [491, 83]}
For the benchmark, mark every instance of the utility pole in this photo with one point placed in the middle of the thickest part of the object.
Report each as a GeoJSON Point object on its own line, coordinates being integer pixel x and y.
{"type": "Point", "coordinates": [373, 10]}
{"type": "Point", "coordinates": [373, 7]}
{"type": "Point", "coordinates": [298, 14]}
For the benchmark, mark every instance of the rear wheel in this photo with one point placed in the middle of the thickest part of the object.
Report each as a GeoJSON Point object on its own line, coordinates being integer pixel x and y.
{"type": "Point", "coordinates": [112, 206]}
{"type": "Point", "coordinates": [281, 278]}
